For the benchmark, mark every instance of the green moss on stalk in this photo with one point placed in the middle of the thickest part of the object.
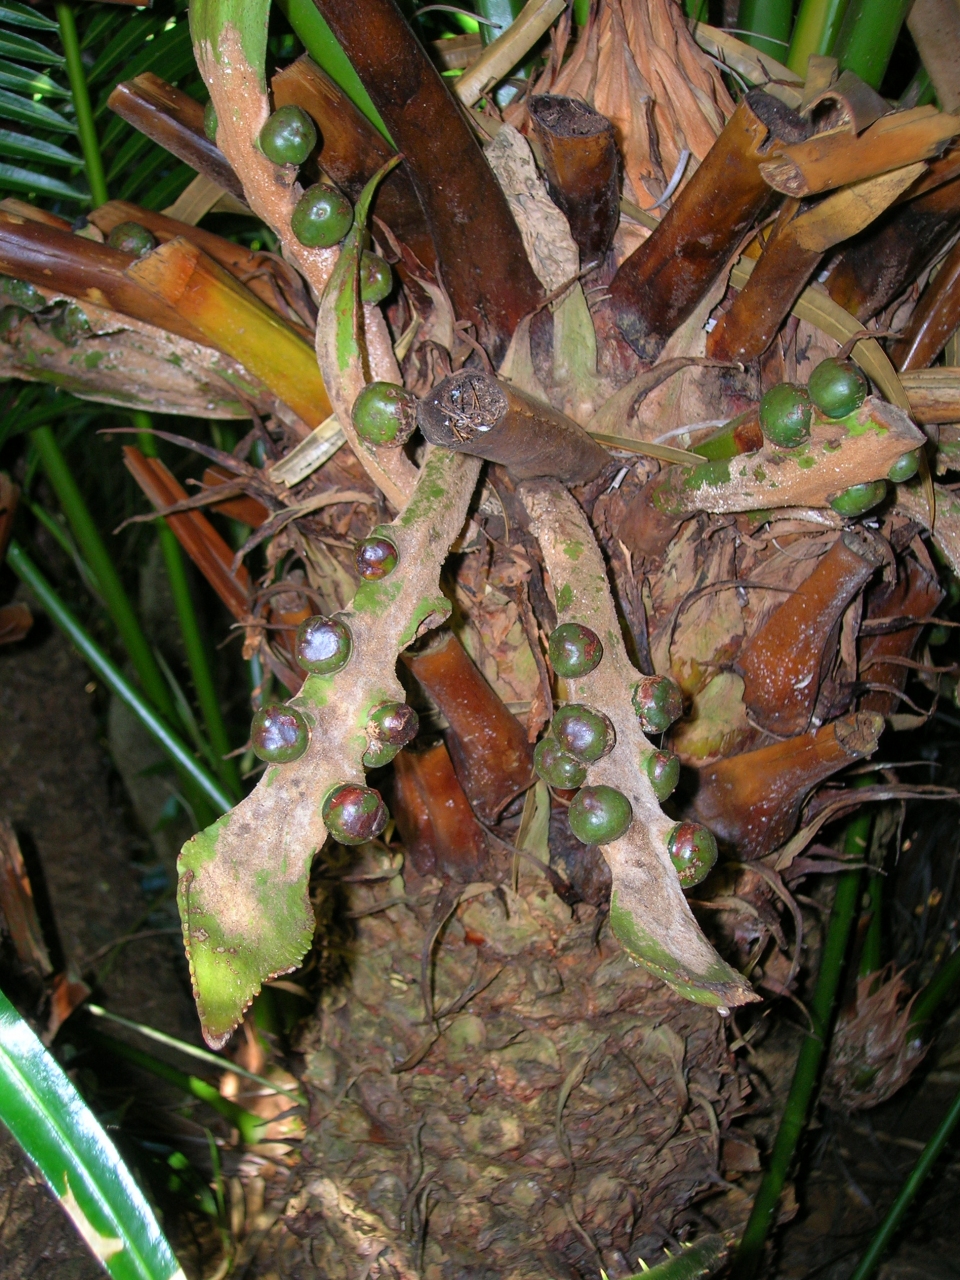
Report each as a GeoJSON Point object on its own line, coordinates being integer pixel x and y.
{"type": "Point", "coordinates": [564, 598]}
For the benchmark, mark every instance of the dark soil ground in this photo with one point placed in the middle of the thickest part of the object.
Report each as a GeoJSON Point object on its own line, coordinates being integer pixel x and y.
{"type": "Point", "coordinates": [61, 792]}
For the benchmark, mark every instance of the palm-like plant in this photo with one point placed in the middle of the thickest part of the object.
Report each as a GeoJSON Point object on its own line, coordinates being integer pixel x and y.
{"type": "Point", "coordinates": [487, 1014]}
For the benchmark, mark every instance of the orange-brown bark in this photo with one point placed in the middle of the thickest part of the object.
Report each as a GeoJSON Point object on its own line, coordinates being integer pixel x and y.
{"type": "Point", "coordinates": [488, 744]}
{"type": "Point", "coordinates": [752, 801]}
{"type": "Point", "coordinates": [935, 317]}
{"type": "Point", "coordinates": [582, 167]}
{"type": "Point", "coordinates": [479, 250]}
{"type": "Point", "coordinates": [784, 663]}
{"type": "Point", "coordinates": [440, 832]}
{"type": "Point", "coordinates": [659, 285]}
{"type": "Point", "coordinates": [173, 120]}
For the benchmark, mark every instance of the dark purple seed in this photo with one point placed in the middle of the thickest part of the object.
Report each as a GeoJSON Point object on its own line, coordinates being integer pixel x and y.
{"type": "Point", "coordinates": [599, 815]}
{"type": "Point", "coordinates": [587, 734]}
{"type": "Point", "coordinates": [663, 770]}
{"type": "Point", "coordinates": [354, 814]}
{"type": "Point", "coordinates": [657, 701]}
{"type": "Point", "coordinates": [558, 768]}
{"type": "Point", "coordinates": [574, 650]}
{"type": "Point", "coordinates": [693, 851]}
{"type": "Point", "coordinates": [279, 734]}
{"type": "Point", "coordinates": [376, 558]}
{"type": "Point", "coordinates": [323, 645]}
{"type": "Point", "coordinates": [393, 723]}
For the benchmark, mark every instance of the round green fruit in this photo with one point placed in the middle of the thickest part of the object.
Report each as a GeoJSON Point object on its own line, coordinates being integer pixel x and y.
{"type": "Point", "coordinates": [785, 415]}
{"type": "Point", "coordinates": [599, 815]}
{"type": "Point", "coordinates": [587, 734]}
{"type": "Point", "coordinates": [385, 413]}
{"type": "Point", "coordinates": [131, 237]}
{"type": "Point", "coordinates": [663, 770]}
{"type": "Point", "coordinates": [558, 768]}
{"type": "Point", "coordinates": [905, 467]}
{"type": "Point", "coordinates": [376, 278]}
{"type": "Point", "coordinates": [71, 324]}
{"type": "Point", "coordinates": [837, 387]}
{"type": "Point", "coordinates": [210, 121]}
{"type": "Point", "coordinates": [20, 293]}
{"type": "Point", "coordinates": [322, 217]}
{"type": "Point", "coordinates": [657, 701]}
{"type": "Point", "coordinates": [354, 814]}
{"type": "Point", "coordinates": [693, 851]}
{"type": "Point", "coordinates": [575, 650]}
{"type": "Point", "coordinates": [324, 645]}
{"type": "Point", "coordinates": [279, 734]}
{"type": "Point", "coordinates": [395, 723]}
{"type": "Point", "coordinates": [859, 498]}
{"type": "Point", "coordinates": [376, 558]}
{"type": "Point", "coordinates": [288, 137]}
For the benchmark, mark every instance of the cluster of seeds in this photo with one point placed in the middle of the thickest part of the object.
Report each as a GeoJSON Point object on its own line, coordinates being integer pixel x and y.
{"type": "Point", "coordinates": [835, 389]}
{"type": "Point", "coordinates": [323, 215]}
{"type": "Point", "coordinates": [280, 733]}
{"type": "Point", "coordinates": [580, 736]}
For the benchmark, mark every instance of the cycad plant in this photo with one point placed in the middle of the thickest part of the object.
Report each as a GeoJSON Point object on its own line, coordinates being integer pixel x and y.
{"type": "Point", "coordinates": [587, 533]}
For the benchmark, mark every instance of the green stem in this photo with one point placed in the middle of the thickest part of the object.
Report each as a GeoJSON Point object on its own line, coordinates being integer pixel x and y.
{"type": "Point", "coordinates": [762, 1216]}
{"type": "Point", "coordinates": [919, 92]}
{"type": "Point", "coordinates": [815, 31]}
{"type": "Point", "coordinates": [867, 36]}
{"type": "Point", "coordinates": [98, 559]}
{"type": "Point", "coordinates": [89, 143]}
{"type": "Point", "coordinates": [323, 47]}
{"type": "Point", "coordinates": [936, 991]}
{"type": "Point", "coordinates": [249, 1126]}
{"type": "Point", "coordinates": [193, 644]}
{"type": "Point", "coordinates": [872, 956]}
{"type": "Point", "coordinates": [581, 12]}
{"type": "Point", "coordinates": [768, 23]}
{"type": "Point", "coordinates": [910, 1188]}
{"type": "Point", "coordinates": [114, 679]}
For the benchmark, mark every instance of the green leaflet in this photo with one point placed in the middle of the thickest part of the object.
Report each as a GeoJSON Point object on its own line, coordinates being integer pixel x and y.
{"type": "Point", "coordinates": [18, 179]}
{"type": "Point", "coordinates": [209, 18]}
{"type": "Point", "coordinates": [344, 284]}
{"type": "Point", "coordinates": [50, 1120]}
{"type": "Point", "coordinates": [31, 148]}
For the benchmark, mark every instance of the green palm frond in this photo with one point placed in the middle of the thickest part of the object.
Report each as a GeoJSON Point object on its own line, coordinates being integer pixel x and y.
{"type": "Point", "coordinates": [42, 158]}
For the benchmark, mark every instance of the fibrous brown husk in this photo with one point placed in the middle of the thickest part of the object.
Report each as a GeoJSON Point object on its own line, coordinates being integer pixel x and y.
{"type": "Point", "coordinates": [875, 1050]}
{"type": "Point", "coordinates": [564, 1121]}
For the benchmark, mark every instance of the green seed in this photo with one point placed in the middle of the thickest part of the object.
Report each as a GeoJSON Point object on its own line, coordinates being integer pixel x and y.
{"type": "Point", "coordinates": [558, 768]}
{"type": "Point", "coordinates": [21, 294]}
{"type": "Point", "coordinates": [905, 467]}
{"type": "Point", "coordinates": [354, 814]}
{"type": "Point", "coordinates": [859, 498]}
{"type": "Point", "coordinates": [131, 237]}
{"type": "Point", "coordinates": [71, 324]}
{"type": "Point", "coordinates": [837, 387]}
{"type": "Point", "coordinates": [663, 770]}
{"type": "Point", "coordinates": [657, 701]}
{"type": "Point", "coordinates": [693, 851]}
{"type": "Point", "coordinates": [574, 649]}
{"type": "Point", "coordinates": [210, 121]}
{"type": "Point", "coordinates": [938, 636]}
{"type": "Point", "coordinates": [322, 217]}
{"type": "Point", "coordinates": [785, 415]}
{"type": "Point", "coordinates": [586, 734]}
{"type": "Point", "coordinates": [376, 278]}
{"type": "Point", "coordinates": [385, 413]}
{"type": "Point", "coordinates": [279, 734]}
{"type": "Point", "coordinates": [378, 754]}
{"type": "Point", "coordinates": [324, 645]}
{"type": "Point", "coordinates": [599, 815]}
{"type": "Point", "coordinates": [395, 723]}
{"type": "Point", "coordinates": [376, 558]}
{"type": "Point", "coordinates": [288, 137]}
